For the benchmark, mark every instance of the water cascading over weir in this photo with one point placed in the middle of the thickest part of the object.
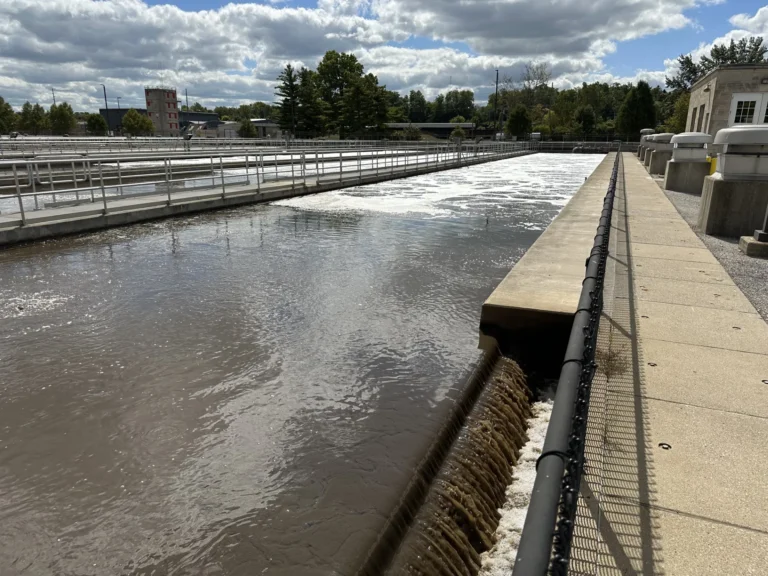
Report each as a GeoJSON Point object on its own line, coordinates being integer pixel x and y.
{"type": "Point", "coordinates": [449, 514]}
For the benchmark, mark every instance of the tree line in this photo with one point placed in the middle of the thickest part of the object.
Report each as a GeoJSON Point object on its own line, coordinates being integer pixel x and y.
{"type": "Point", "coordinates": [59, 119]}
{"type": "Point", "coordinates": [339, 98]}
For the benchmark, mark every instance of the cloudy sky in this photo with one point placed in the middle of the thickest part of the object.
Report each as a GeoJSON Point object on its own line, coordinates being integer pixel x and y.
{"type": "Point", "coordinates": [226, 53]}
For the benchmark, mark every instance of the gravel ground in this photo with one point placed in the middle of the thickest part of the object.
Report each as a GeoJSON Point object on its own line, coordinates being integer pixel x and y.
{"type": "Point", "coordinates": [749, 274]}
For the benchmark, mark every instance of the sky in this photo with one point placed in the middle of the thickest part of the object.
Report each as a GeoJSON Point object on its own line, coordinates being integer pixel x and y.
{"type": "Point", "coordinates": [229, 53]}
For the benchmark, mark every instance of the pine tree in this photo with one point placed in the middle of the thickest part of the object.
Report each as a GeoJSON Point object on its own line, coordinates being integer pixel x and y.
{"type": "Point", "coordinates": [7, 117]}
{"type": "Point", "coordinates": [312, 109]}
{"type": "Point", "coordinates": [287, 90]}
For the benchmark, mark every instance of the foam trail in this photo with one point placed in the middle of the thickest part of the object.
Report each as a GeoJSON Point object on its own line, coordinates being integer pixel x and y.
{"type": "Point", "coordinates": [500, 559]}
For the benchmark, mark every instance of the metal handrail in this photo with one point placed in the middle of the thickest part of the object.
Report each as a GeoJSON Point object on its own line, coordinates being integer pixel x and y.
{"type": "Point", "coordinates": [441, 155]}
{"type": "Point", "coordinates": [545, 542]}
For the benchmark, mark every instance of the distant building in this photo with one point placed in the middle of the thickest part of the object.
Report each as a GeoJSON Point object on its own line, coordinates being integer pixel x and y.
{"type": "Point", "coordinates": [436, 129]}
{"type": "Point", "coordinates": [163, 110]}
{"type": "Point", "coordinates": [266, 128]}
{"type": "Point", "coordinates": [115, 119]}
{"type": "Point", "coordinates": [727, 96]}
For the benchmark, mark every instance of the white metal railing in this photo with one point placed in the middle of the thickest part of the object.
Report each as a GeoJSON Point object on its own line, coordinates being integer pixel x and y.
{"type": "Point", "coordinates": [52, 173]}
{"type": "Point", "coordinates": [37, 146]}
{"type": "Point", "coordinates": [256, 176]}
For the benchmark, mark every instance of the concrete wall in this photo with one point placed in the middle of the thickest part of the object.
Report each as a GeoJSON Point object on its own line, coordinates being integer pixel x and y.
{"type": "Point", "coordinates": [732, 208]}
{"type": "Point", "coordinates": [686, 177]}
{"type": "Point", "coordinates": [716, 102]}
{"type": "Point", "coordinates": [530, 313]}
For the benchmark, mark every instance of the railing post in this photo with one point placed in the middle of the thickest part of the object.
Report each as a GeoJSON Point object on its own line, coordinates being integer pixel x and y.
{"type": "Point", "coordinates": [103, 192]}
{"type": "Point", "coordinates": [90, 181]}
{"type": "Point", "coordinates": [359, 167]}
{"type": "Point", "coordinates": [50, 176]}
{"type": "Point", "coordinates": [293, 177]}
{"type": "Point", "coordinates": [223, 186]}
{"type": "Point", "coordinates": [74, 180]}
{"type": "Point", "coordinates": [341, 168]}
{"type": "Point", "coordinates": [258, 177]}
{"type": "Point", "coordinates": [247, 172]}
{"type": "Point", "coordinates": [18, 195]}
{"type": "Point", "coordinates": [213, 174]}
{"type": "Point", "coordinates": [167, 182]}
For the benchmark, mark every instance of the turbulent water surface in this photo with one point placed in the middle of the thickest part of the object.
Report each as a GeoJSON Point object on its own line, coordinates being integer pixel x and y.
{"type": "Point", "coordinates": [246, 391]}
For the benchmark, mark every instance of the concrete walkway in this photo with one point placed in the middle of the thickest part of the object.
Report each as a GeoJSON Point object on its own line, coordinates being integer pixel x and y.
{"type": "Point", "coordinates": [677, 452]}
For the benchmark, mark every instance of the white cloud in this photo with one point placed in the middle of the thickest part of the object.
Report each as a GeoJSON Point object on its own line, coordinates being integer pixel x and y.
{"type": "Point", "coordinates": [233, 54]}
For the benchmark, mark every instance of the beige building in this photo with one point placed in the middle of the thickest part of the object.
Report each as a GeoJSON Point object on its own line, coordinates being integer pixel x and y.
{"type": "Point", "coordinates": [163, 110]}
{"type": "Point", "coordinates": [729, 95]}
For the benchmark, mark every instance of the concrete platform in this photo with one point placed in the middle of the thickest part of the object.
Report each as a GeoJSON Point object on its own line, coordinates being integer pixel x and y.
{"type": "Point", "coordinates": [676, 452]}
{"type": "Point", "coordinates": [536, 302]}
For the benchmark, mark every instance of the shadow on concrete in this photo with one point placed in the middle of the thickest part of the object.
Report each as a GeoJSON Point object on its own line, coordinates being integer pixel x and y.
{"type": "Point", "coordinates": [616, 531]}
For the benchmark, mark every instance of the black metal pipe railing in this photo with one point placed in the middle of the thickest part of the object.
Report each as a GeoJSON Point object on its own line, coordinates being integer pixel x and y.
{"type": "Point", "coordinates": [545, 543]}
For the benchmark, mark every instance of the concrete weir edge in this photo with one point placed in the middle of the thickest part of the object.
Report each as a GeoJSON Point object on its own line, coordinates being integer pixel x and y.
{"type": "Point", "coordinates": [529, 314]}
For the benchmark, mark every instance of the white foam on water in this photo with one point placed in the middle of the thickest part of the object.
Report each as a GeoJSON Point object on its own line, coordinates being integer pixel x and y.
{"type": "Point", "coordinates": [549, 179]}
{"type": "Point", "coordinates": [499, 560]}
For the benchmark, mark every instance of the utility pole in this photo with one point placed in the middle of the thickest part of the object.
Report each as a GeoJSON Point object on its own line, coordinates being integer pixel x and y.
{"type": "Point", "coordinates": [186, 95]}
{"type": "Point", "coordinates": [496, 104]}
{"type": "Point", "coordinates": [54, 96]}
{"type": "Point", "coordinates": [106, 107]}
{"type": "Point", "coordinates": [118, 102]}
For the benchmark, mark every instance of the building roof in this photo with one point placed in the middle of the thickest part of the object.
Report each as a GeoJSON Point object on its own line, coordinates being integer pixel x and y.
{"type": "Point", "coordinates": [707, 77]}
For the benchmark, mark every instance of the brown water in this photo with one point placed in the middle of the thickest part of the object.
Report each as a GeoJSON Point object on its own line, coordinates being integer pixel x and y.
{"type": "Point", "coordinates": [247, 391]}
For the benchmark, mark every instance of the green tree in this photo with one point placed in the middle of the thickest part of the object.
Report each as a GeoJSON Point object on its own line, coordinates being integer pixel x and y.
{"type": "Point", "coordinates": [586, 119]}
{"type": "Point", "coordinates": [459, 103]}
{"type": "Point", "coordinates": [336, 73]}
{"type": "Point", "coordinates": [62, 118]}
{"type": "Point", "coordinates": [417, 111]}
{"type": "Point", "coordinates": [458, 120]}
{"type": "Point", "coordinates": [458, 132]}
{"type": "Point", "coordinates": [137, 124]}
{"type": "Point", "coordinates": [7, 117]}
{"type": "Point", "coordinates": [677, 122]}
{"type": "Point", "coordinates": [519, 121]}
{"type": "Point", "coordinates": [287, 90]}
{"type": "Point", "coordinates": [437, 110]}
{"type": "Point", "coordinates": [364, 106]}
{"type": "Point", "coordinates": [638, 111]}
{"type": "Point", "coordinates": [33, 119]}
{"type": "Point", "coordinates": [247, 129]}
{"type": "Point", "coordinates": [312, 109]}
{"type": "Point", "coordinates": [746, 51]}
{"type": "Point", "coordinates": [96, 124]}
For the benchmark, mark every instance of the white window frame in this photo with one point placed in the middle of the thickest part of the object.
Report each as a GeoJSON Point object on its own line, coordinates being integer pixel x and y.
{"type": "Point", "coordinates": [761, 103]}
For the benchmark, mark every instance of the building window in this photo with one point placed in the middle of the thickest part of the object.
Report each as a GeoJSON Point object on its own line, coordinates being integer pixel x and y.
{"type": "Point", "coordinates": [149, 103]}
{"type": "Point", "coordinates": [745, 112]}
{"type": "Point", "coordinates": [706, 122]}
{"type": "Point", "coordinates": [701, 118]}
{"type": "Point", "coordinates": [693, 119]}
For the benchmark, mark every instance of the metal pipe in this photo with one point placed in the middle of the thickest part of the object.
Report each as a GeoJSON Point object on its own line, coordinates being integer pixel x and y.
{"type": "Point", "coordinates": [535, 549]}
